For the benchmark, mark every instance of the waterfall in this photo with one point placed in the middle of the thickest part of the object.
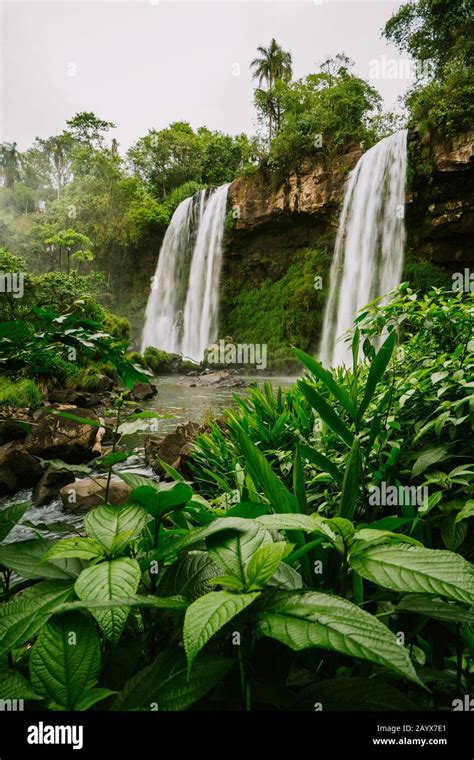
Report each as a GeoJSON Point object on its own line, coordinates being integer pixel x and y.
{"type": "Point", "coordinates": [182, 310]}
{"type": "Point", "coordinates": [368, 255]}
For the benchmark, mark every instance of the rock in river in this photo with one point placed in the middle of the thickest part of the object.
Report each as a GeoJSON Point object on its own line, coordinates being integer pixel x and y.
{"type": "Point", "coordinates": [59, 438]}
{"type": "Point", "coordinates": [89, 493]}
{"type": "Point", "coordinates": [18, 469]}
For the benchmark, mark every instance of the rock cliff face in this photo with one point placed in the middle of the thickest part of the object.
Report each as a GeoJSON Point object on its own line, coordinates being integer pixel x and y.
{"type": "Point", "coordinates": [271, 223]}
{"type": "Point", "coordinates": [440, 207]}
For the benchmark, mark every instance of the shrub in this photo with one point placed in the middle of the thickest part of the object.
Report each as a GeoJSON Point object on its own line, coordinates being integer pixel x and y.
{"type": "Point", "coordinates": [157, 361]}
{"type": "Point", "coordinates": [118, 327]}
{"type": "Point", "coordinates": [20, 393]}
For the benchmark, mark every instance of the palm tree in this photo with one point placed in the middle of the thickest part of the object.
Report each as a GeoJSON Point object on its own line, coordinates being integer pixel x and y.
{"type": "Point", "coordinates": [274, 63]}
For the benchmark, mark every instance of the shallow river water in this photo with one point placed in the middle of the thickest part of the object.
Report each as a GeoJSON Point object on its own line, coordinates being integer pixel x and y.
{"type": "Point", "coordinates": [175, 397]}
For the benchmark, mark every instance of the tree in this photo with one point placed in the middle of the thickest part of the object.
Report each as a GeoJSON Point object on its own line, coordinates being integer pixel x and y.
{"type": "Point", "coordinates": [53, 158]}
{"type": "Point", "coordinates": [434, 31]}
{"type": "Point", "coordinates": [439, 35]}
{"type": "Point", "coordinates": [76, 245]}
{"type": "Point", "coordinates": [273, 64]}
{"type": "Point", "coordinates": [9, 163]}
{"type": "Point", "coordinates": [88, 129]}
{"type": "Point", "coordinates": [323, 114]}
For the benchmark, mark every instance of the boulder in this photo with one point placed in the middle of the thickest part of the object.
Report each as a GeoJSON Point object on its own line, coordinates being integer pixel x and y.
{"type": "Point", "coordinates": [12, 430]}
{"type": "Point", "coordinates": [50, 484]}
{"type": "Point", "coordinates": [18, 468]}
{"type": "Point", "coordinates": [174, 448]}
{"type": "Point", "coordinates": [76, 398]}
{"type": "Point", "coordinates": [223, 378]}
{"type": "Point", "coordinates": [89, 493]}
{"type": "Point", "coordinates": [58, 438]}
{"type": "Point", "coordinates": [143, 391]}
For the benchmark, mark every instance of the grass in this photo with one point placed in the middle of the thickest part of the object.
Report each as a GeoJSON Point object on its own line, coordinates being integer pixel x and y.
{"type": "Point", "coordinates": [20, 393]}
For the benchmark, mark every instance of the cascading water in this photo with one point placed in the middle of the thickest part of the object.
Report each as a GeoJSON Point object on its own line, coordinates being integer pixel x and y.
{"type": "Point", "coordinates": [368, 255]}
{"type": "Point", "coordinates": [182, 310]}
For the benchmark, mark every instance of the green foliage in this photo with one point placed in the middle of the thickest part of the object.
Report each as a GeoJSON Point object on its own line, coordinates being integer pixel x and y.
{"type": "Point", "coordinates": [320, 116]}
{"type": "Point", "coordinates": [156, 360]}
{"type": "Point", "coordinates": [437, 34]}
{"type": "Point", "coordinates": [275, 313]}
{"type": "Point", "coordinates": [21, 393]}
{"type": "Point", "coordinates": [55, 348]}
{"type": "Point", "coordinates": [445, 105]}
{"type": "Point", "coordinates": [178, 157]}
{"type": "Point", "coordinates": [250, 570]}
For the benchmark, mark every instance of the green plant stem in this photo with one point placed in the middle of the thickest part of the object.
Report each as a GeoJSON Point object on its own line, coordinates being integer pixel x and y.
{"type": "Point", "coordinates": [458, 658]}
{"type": "Point", "coordinates": [244, 682]}
{"type": "Point", "coordinates": [109, 476]}
{"type": "Point", "coordinates": [153, 576]}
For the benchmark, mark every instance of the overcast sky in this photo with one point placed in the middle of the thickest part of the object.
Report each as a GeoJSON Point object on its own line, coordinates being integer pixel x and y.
{"type": "Point", "coordinates": [147, 63]}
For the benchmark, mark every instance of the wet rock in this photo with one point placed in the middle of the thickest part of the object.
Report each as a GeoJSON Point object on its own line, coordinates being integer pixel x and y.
{"type": "Point", "coordinates": [18, 468]}
{"type": "Point", "coordinates": [77, 398]}
{"type": "Point", "coordinates": [49, 486]}
{"type": "Point", "coordinates": [58, 438]}
{"type": "Point", "coordinates": [143, 391]}
{"type": "Point", "coordinates": [12, 430]}
{"type": "Point", "coordinates": [223, 378]}
{"type": "Point", "coordinates": [174, 448]}
{"type": "Point", "coordinates": [88, 493]}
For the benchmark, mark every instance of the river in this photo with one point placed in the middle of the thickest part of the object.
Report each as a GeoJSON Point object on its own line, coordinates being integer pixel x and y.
{"type": "Point", "coordinates": [175, 398]}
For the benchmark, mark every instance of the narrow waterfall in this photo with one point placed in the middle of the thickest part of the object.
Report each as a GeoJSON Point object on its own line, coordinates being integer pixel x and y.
{"type": "Point", "coordinates": [369, 250]}
{"type": "Point", "coordinates": [182, 310]}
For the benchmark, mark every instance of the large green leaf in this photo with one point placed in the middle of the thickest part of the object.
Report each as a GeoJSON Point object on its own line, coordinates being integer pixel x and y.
{"type": "Point", "coordinates": [309, 523]}
{"type": "Point", "coordinates": [23, 616]}
{"type": "Point", "coordinates": [376, 372]}
{"type": "Point", "coordinates": [83, 548]}
{"type": "Point", "coordinates": [106, 582]}
{"type": "Point", "coordinates": [262, 475]}
{"type": "Point", "coordinates": [176, 603]}
{"type": "Point", "coordinates": [407, 568]}
{"type": "Point", "coordinates": [14, 686]}
{"type": "Point", "coordinates": [166, 685]}
{"type": "Point", "coordinates": [263, 564]}
{"type": "Point", "coordinates": [310, 619]}
{"type": "Point", "coordinates": [160, 499]}
{"type": "Point", "coordinates": [231, 552]}
{"type": "Point", "coordinates": [321, 461]}
{"type": "Point", "coordinates": [107, 523]}
{"type": "Point", "coordinates": [350, 484]}
{"type": "Point", "coordinates": [427, 458]}
{"type": "Point", "coordinates": [317, 369]}
{"type": "Point", "coordinates": [209, 614]}
{"type": "Point", "coordinates": [10, 516]}
{"type": "Point", "coordinates": [197, 535]}
{"type": "Point", "coordinates": [65, 661]}
{"type": "Point", "coordinates": [26, 559]}
{"type": "Point", "coordinates": [189, 576]}
{"type": "Point", "coordinates": [326, 412]}
{"type": "Point", "coordinates": [453, 532]}
{"type": "Point", "coordinates": [421, 604]}
{"type": "Point", "coordinates": [298, 483]}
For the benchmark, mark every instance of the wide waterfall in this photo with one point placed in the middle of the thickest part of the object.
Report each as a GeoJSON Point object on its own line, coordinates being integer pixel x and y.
{"type": "Point", "coordinates": [182, 310]}
{"type": "Point", "coordinates": [368, 255]}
